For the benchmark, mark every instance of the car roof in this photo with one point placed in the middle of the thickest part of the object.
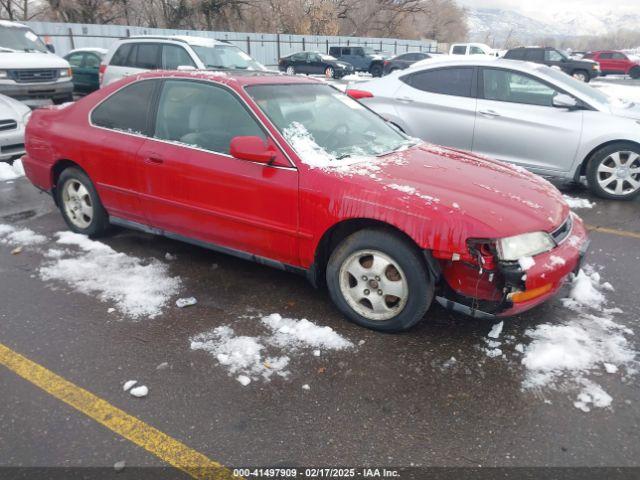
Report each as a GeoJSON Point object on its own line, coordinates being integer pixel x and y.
{"type": "Point", "coordinates": [89, 49]}
{"type": "Point", "coordinates": [474, 61]}
{"type": "Point", "coordinates": [188, 39]}
{"type": "Point", "coordinates": [7, 23]}
{"type": "Point", "coordinates": [236, 78]}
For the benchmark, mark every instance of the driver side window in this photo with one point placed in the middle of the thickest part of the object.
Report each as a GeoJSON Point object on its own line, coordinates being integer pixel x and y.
{"type": "Point", "coordinates": [203, 116]}
{"type": "Point", "coordinates": [552, 56]}
{"type": "Point", "coordinates": [510, 86]}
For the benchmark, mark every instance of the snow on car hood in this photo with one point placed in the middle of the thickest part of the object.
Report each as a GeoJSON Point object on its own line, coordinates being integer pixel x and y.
{"type": "Point", "coordinates": [463, 194]}
{"type": "Point", "coordinates": [626, 110]}
{"type": "Point", "coordinates": [9, 60]}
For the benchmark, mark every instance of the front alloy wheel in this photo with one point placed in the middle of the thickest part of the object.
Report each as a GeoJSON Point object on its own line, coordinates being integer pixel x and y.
{"type": "Point", "coordinates": [329, 72]}
{"type": "Point", "coordinates": [614, 172]}
{"type": "Point", "coordinates": [379, 280]}
{"type": "Point", "coordinates": [581, 76]}
{"type": "Point", "coordinates": [291, 70]}
{"type": "Point", "coordinates": [374, 285]}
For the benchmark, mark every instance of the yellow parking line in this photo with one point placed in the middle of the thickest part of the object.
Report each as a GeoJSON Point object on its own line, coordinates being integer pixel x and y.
{"type": "Point", "coordinates": [613, 231]}
{"type": "Point", "coordinates": [166, 448]}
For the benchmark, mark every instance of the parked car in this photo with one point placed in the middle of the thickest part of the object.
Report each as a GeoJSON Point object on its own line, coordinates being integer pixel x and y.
{"type": "Point", "coordinates": [314, 63]}
{"type": "Point", "coordinates": [85, 66]}
{"type": "Point", "coordinates": [615, 63]}
{"type": "Point", "coordinates": [363, 59]}
{"type": "Point", "coordinates": [583, 70]}
{"type": "Point", "coordinates": [13, 118]}
{"type": "Point", "coordinates": [138, 54]}
{"type": "Point", "coordinates": [531, 115]}
{"type": "Point", "coordinates": [291, 173]}
{"type": "Point", "coordinates": [29, 70]}
{"type": "Point", "coordinates": [471, 49]}
{"type": "Point", "coordinates": [405, 60]}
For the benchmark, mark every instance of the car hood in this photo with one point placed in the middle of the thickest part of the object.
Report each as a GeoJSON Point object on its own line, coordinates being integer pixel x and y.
{"type": "Point", "coordinates": [343, 64]}
{"type": "Point", "coordinates": [464, 195]}
{"type": "Point", "coordinates": [626, 110]}
{"type": "Point", "coordinates": [11, 108]}
{"type": "Point", "coordinates": [9, 60]}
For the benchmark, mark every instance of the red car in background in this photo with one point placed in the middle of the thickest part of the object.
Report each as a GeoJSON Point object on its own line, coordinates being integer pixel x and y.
{"type": "Point", "coordinates": [291, 173]}
{"type": "Point", "coordinates": [615, 63]}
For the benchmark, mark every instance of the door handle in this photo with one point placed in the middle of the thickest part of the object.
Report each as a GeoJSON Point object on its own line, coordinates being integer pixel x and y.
{"type": "Point", "coordinates": [489, 113]}
{"type": "Point", "coordinates": [154, 159]}
{"type": "Point", "coordinates": [405, 99]}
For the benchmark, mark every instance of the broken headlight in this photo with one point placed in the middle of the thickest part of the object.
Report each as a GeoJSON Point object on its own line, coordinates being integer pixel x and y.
{"type": "Point", "coordinates": [525, 245]}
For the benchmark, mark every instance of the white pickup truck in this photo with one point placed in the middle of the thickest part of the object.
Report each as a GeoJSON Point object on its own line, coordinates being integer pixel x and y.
{"type": "Point", "coordinates": [29, 70]}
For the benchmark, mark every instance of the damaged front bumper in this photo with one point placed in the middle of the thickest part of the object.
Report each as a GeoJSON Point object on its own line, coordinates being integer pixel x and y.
{"type": "Point", "coordinates": [510, 290]}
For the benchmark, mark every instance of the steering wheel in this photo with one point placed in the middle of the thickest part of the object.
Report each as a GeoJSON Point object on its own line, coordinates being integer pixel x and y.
{"type": "Point", "coordinates": [340, 130]}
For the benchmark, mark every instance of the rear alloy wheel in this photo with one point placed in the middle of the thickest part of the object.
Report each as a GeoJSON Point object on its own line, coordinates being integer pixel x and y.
{"type": "Point", "coordinates": [329, 72]}
{"type": "Point", "coordinates": [581, 75]}
{"type": "Point", "coordinates": [79, 203]}
{"type": "Point", "coordinates": [378, 280]}
{"type": "Point", "coordinates": [291, 70]}
{"type": "Point", "coordinates": [614, 171]}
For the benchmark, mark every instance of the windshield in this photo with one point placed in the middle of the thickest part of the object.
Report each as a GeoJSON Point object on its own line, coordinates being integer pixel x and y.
{"type": "Point", "coordinates": [20, 40]}
{"type": "Point", "coordinates": [325, 126]}
{"type": "Point", "coordinates": [589, 92]}
{"type": "Point", "coordinates": [226, 57]}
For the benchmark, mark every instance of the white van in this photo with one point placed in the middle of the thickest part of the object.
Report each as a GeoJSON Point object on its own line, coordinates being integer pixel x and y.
{"type": "Point", "coordinates": [133, 55]}
{"type": "Point", "coordinates": [29, 71]}
{"type": "Point", "coordinates": [471, 49]}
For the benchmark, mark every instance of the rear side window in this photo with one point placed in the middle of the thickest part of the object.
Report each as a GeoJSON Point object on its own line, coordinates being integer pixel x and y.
{"type": "Point", "coordinates": [127, 109]}
{"type": "Point", "coordinates": [459, 50]}
{"type": "Point", "coordinates": [120, 57]}
{"type": "Point", "coordinates": [446, 81]}
{"type": "Point", "coordinates": [174, 56]}
{"type": "Point", "coordinates": [147, 56]}
{"type": "Point", "coordinates": [619, 56]}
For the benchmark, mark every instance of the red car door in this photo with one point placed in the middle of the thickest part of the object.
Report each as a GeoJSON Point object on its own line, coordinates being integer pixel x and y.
{"type": "Point", "coordinates": [120, 124]}
{"type": "Point", "coordinates": [195, 189]}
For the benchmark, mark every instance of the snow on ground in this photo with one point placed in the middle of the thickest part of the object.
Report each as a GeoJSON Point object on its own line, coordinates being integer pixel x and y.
{"type": "Point", "coordinates": [591, 343]}
{"type": "Point", "coordinates": [574, 202]}
{"type": "Point", "coordinates": [138, 288]}
{"type": "Point", "coordinates": [253, 358]}
{"type": "Point", "coordinates": [625, 93]}
{"type": "Point", "coordinates": [20, 237]}
{"type": "Point", "coordinates": [11, 172]}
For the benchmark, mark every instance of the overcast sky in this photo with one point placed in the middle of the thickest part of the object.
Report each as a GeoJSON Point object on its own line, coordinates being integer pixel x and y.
{"type": "Point", "coordinates": [542, 8]}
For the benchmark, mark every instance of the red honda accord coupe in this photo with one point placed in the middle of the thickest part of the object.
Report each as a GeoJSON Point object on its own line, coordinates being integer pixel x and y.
{"type": "Point", "coordinates": [291, 173]}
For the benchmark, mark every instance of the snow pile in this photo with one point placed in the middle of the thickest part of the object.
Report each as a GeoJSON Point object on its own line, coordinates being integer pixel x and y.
{"type": "Point", "coordinates": [526, 263]}
{"type": "Point", "coordinates": [493, 349]}
{"type": "Point", "coordinates": [138, 288]}
{"type": "Point", "coordinates": [22, 237]}
{"type": "Point", "coordinates": [574, 202]}
{"type": "Point", "coordinates": [251, 358]}
{"type": "Point", "coordinates": [563, 355]}
{"type": "Point", "coordinates": [11, 172]}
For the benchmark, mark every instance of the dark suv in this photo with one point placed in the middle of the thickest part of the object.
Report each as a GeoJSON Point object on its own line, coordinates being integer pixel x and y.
{"type": "Point", "coordinates": [363, 59]}
{"type": "Point", "coordinates": [583, 70]}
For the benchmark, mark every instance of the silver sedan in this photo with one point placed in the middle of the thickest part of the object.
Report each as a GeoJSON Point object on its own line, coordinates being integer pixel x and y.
{"type": "Point", "coordinates": [13, 119]}
{"type": "Point", "coordinates": [524, 113]}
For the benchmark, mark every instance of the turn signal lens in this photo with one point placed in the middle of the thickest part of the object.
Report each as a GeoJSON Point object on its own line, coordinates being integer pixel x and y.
{"type": "Point", "coordinates": [519, 297]}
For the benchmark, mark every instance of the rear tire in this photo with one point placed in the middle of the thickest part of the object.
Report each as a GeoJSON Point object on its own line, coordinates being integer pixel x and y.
{"type": "Point", "coordinates": [376, 70]}
{"type": "Point", "coordinates": [613, 172]}
{"type": "Point", "coordinates": [379, 280]}
{"type": "Point", "coordinates": [79, 203]}
{"type": "Point", "coordinates": [635, 73]}
{"type": "Point", "coordinates": [291, 70]}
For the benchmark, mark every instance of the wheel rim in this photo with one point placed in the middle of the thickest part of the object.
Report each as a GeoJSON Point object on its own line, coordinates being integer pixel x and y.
{"type": "Point", "coordinates": [76, 201]}
{"type": "Point", "coordinates": [291, 70]}
{"type": "Point", "coordinates": [619, 173]}
{"type": "Point", "coordinates": [580, 76]}
{"type": "Point", "coordinates": [329, 72]}
{"type": "Point", "coordinates": [374, 285]}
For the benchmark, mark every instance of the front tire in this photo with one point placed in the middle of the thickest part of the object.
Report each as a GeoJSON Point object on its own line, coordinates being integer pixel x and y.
{"type": "Point", "coordinates": [79, 203]}
{"type": "Point", "coordinates": [613, 172]}
{"type": "Point", "coordinates": [380, 281]}
{"type": "Point", "coordinates": [581, 75]}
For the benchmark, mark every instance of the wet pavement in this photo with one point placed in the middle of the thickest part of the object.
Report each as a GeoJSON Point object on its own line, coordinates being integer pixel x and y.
{"type": "Point", "coordinates": [392, 400]}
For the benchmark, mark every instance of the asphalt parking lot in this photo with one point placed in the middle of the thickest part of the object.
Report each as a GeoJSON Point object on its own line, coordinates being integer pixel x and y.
{"type": "Point", "coordinates": [434, 396]}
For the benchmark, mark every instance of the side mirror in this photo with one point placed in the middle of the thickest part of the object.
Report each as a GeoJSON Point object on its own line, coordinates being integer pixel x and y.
{"type": "Point", "coordinates": [562, 100]}
{"type": "Point", "coordinates": [51, 48]}
{"type": "Point", "coordinates": [253, 149]}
